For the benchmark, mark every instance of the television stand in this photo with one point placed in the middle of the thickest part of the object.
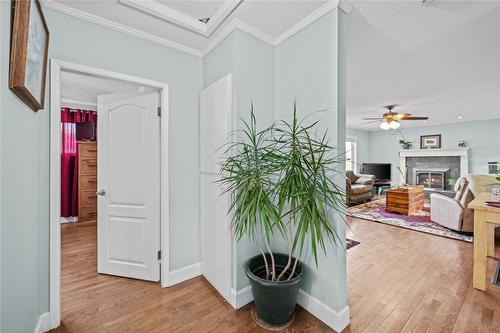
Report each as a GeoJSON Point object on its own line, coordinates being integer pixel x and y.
{"type": "Point", "coordinates": [381, 183]}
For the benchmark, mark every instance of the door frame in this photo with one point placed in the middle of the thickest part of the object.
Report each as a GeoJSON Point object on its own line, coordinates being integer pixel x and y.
{"type": "Point", "coordinates": [56, 67]}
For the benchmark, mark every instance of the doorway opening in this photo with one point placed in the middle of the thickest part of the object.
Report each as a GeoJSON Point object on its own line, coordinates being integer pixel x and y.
{"type": "Point", "coordinates": [109, 181]}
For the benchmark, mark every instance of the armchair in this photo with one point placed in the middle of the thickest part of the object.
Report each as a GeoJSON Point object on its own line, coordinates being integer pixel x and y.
{"type": "Point", "coordinates": [453, 213]}
{"type": "Point", "coordinates": [359, 187]}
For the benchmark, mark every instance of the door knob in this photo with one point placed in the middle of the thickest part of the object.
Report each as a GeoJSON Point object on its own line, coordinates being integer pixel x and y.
{"type": "Point", "coordinates": [101, 192]}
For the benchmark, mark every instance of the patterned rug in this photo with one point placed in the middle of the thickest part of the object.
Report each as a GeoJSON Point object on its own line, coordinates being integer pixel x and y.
{"type": "Point", "coordinates": [375, 211]}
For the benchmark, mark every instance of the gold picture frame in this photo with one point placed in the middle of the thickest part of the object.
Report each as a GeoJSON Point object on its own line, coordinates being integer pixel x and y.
{"type": "Point", "coordinates": [29, 53]}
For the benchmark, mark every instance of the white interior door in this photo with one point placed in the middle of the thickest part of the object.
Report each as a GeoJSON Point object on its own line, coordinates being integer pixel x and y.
{"type": "Point", "coordinates": [129, 185]}
{"type": "Point", "coordinates": [215, 120]}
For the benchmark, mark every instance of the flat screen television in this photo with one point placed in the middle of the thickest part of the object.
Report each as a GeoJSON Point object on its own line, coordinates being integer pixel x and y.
{"type": "Point", "coordinates": [381, 171]}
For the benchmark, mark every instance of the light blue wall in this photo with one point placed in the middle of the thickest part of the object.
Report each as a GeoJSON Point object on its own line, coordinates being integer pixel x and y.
{"type": "Point", "coordinates": [303, 68]}
{"type": "Point", "coordinates": [25, 157]}
{"type": "Point", "coordinates": [383, 146]}
{"type": "Point", "coordinates": [307, 70]}
{"type": "Point", "coordinates": [251, 63]}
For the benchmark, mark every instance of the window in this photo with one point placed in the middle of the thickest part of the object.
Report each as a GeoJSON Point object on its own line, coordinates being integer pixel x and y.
{"type": "Point", "coordinates": [350, 154]}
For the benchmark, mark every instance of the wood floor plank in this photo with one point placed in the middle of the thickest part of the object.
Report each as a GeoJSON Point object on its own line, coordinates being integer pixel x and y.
{"type": "Point", "coordinates": [399, 281]}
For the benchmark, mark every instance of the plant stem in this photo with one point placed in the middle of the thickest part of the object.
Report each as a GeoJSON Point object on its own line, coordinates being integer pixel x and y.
{"type": "Point", "coordinates": [293, 269]}
{"type": "Point", "coordinates": [265, 259]}
{"type": "Point", "coordinates": [289, 249]}
{"type": "Point", "coordinates": [273, 265]}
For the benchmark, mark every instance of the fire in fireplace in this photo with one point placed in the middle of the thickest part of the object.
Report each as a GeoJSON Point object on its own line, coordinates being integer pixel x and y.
{"type": "Point", "coordinates": [431, 178]}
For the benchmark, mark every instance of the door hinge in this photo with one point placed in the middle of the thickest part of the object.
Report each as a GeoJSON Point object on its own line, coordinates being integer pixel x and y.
{"type": "Point", "coordinates": [159, 254]}
{"type": "Point", "coordinates": [159, 111]}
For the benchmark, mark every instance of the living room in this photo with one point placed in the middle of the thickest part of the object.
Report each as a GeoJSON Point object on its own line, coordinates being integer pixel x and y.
{"type": "Point", "coordinates": [423, 164]}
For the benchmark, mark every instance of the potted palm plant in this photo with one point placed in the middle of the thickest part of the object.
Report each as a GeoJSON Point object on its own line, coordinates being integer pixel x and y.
{"type": "Point", "coordinates": [281, 184]}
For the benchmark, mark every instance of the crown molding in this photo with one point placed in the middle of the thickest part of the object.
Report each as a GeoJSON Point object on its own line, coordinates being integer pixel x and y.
{"type": "Point", "coordinates": [50, 4]}
{"type": "Point", "coordinates": [237, 24]}
{"type": "Point", "coordinates": [317, 14]}
{"type": "Point", "coordinates": [171, 15]}
{"type": "Point", "coordinates": [215, 39]}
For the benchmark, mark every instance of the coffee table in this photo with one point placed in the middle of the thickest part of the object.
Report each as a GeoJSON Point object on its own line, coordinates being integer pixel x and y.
{"type": "Point", "coordinates": [405, 200]}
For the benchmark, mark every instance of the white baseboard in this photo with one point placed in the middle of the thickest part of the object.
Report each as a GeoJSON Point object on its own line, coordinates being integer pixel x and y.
{"type": "Point", "coordinates": [241, 297]}
{"type": "Point", "coordinates": [336, 320]}
{"type": "Point", "coordinates": [43, 324]}
{"type": "Point", "coordinates": [183, 274]}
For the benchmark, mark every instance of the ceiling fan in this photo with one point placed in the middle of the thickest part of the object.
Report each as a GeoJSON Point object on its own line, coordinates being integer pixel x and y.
{"type": "Point", "coordinates": [390, 119]}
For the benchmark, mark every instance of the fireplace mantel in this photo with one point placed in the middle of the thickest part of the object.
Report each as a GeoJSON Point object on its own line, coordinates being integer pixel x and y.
{"type": "Point", "coordinates": [463, 153]}
{"type": "Point", "coordinates": [434, 152]}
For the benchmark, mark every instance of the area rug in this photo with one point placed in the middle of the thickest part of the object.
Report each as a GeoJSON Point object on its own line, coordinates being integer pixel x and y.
{"type": "Point", "coordinates": [351, 243]}
{"type": "Point", "coordinates": [421, 221]}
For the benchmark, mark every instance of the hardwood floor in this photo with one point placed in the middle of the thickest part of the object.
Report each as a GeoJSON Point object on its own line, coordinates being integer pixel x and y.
{"type": "Point", "coordinates": [92, 302]}
{"type": "Point", "coordinates": [406, 281]}
{"type": "Point", "coordinates": [399, 280]}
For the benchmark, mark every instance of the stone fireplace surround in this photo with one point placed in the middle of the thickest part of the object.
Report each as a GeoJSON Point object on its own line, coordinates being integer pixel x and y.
{"type": "Point", "coordinates": [454, 161]}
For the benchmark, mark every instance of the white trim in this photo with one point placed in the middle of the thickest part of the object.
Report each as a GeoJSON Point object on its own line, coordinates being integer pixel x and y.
{"type": "Point", "coordinates": [234, 25]}
{"type": "Point", "coordinates": [241, 297]}
{"type": "Point", "coordinates": [336, 320]}
{"type": "Point", "coordinates": [215, 39]}
{"type": "Point", "coordinates": [56, 66]}
{"type": "Point", "coordinates": [183, 274]}
{"type": "Point", "coordinates": [176, 17]}
{"type": "Point", "coordinates": [43, 324]}
{"type": "Point", "coordinates": [221, 14]}
{"type": "Point", "coordinates": [168, 14]}
{"type": "Point", "coordinates": [463, 153]}
{"type": "Point", "coordinates": [302, 24]}
{"type": "Point", "coordinates": [51, 4]}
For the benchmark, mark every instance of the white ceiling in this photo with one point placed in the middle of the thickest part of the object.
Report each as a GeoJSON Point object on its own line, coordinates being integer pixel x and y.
{"type": "Point", "coordinates": [441, 61]}
{"type": "Point", "coordinates": [79, 90]}
{"type": "Point", "coordinates": [271, 17]}
{"type": "Point", "coordinates": [195, 9]}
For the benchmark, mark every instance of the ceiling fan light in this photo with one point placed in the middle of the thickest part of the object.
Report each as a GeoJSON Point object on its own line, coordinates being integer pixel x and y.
{"type": "Point", "coordinates": [385, 125]}
{"type": "Point", "coordinates": [394, 124]}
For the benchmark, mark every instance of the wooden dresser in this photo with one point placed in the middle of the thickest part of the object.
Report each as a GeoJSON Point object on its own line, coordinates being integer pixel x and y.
{"type": "Point", "coordinates": [87, 181]}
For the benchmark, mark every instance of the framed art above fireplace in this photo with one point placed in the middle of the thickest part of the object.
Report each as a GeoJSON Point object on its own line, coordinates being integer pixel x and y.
{"type": "Point", "coordinates": [430, 141]}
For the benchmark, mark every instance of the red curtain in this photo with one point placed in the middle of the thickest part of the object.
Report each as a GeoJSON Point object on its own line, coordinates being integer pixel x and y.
{"type": "Point", "coordinates": [69, 157]}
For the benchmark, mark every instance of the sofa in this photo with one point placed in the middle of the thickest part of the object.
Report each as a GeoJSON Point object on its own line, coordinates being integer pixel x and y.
{"type": "Point", "coordinates": [453, 213]}
{"type": "Point", "coordinates": [358, 187]}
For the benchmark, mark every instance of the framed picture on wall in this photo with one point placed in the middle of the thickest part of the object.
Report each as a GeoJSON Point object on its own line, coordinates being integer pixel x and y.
{"type": "Point", "coordinates": [430, 141]}
{"type": "Point", "coordinates": [28, 54]}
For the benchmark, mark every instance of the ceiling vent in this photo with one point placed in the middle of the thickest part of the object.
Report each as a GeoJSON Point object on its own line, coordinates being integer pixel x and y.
{"type": "Point", "coordinates": [428, 2]}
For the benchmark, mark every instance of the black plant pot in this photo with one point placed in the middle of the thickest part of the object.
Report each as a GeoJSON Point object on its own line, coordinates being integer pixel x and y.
{"type": "Point", "coordinates": [274, 300]}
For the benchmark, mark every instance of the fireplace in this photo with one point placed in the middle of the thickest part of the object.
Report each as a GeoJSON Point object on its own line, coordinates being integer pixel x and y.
{"type": "Point", "coordinates": [431, 178]}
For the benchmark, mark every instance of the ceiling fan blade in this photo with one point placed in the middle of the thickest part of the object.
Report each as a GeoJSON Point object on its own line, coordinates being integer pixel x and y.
{"type": "Point", "coordinates": [373, 118]}
{"type": "Point", "coordinates": [402, 115]}
{"type": "Point", "coordinates": [415, 118]}
{"type": "Point", "coordinates": [370, 122]}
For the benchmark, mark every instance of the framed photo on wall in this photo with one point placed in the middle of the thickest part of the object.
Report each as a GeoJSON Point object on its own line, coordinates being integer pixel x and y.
{"type": "Point", "coordinates": [430, 141]}
{"type": "Point", "coordinates": [28, 54]}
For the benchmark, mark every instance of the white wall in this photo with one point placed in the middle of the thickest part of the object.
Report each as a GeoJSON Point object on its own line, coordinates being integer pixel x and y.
{"type": "Point", "coordinates": [362, 146]}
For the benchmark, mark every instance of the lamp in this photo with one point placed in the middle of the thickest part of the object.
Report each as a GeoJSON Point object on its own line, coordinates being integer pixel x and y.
{"type": "Point", "coordinates": [385, 125]}
{"type": "Point", "coordinates": [394, 124]}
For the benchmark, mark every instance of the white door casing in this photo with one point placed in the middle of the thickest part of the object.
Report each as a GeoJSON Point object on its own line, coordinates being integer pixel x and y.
{"type": "Point", "coordinates": [129, 185]}
{"type": "Point", "coordinates": [215, 124]}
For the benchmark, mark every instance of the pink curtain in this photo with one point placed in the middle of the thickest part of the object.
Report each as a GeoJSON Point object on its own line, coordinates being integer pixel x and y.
{"type": "Point", "coordinates": [69, 157]}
